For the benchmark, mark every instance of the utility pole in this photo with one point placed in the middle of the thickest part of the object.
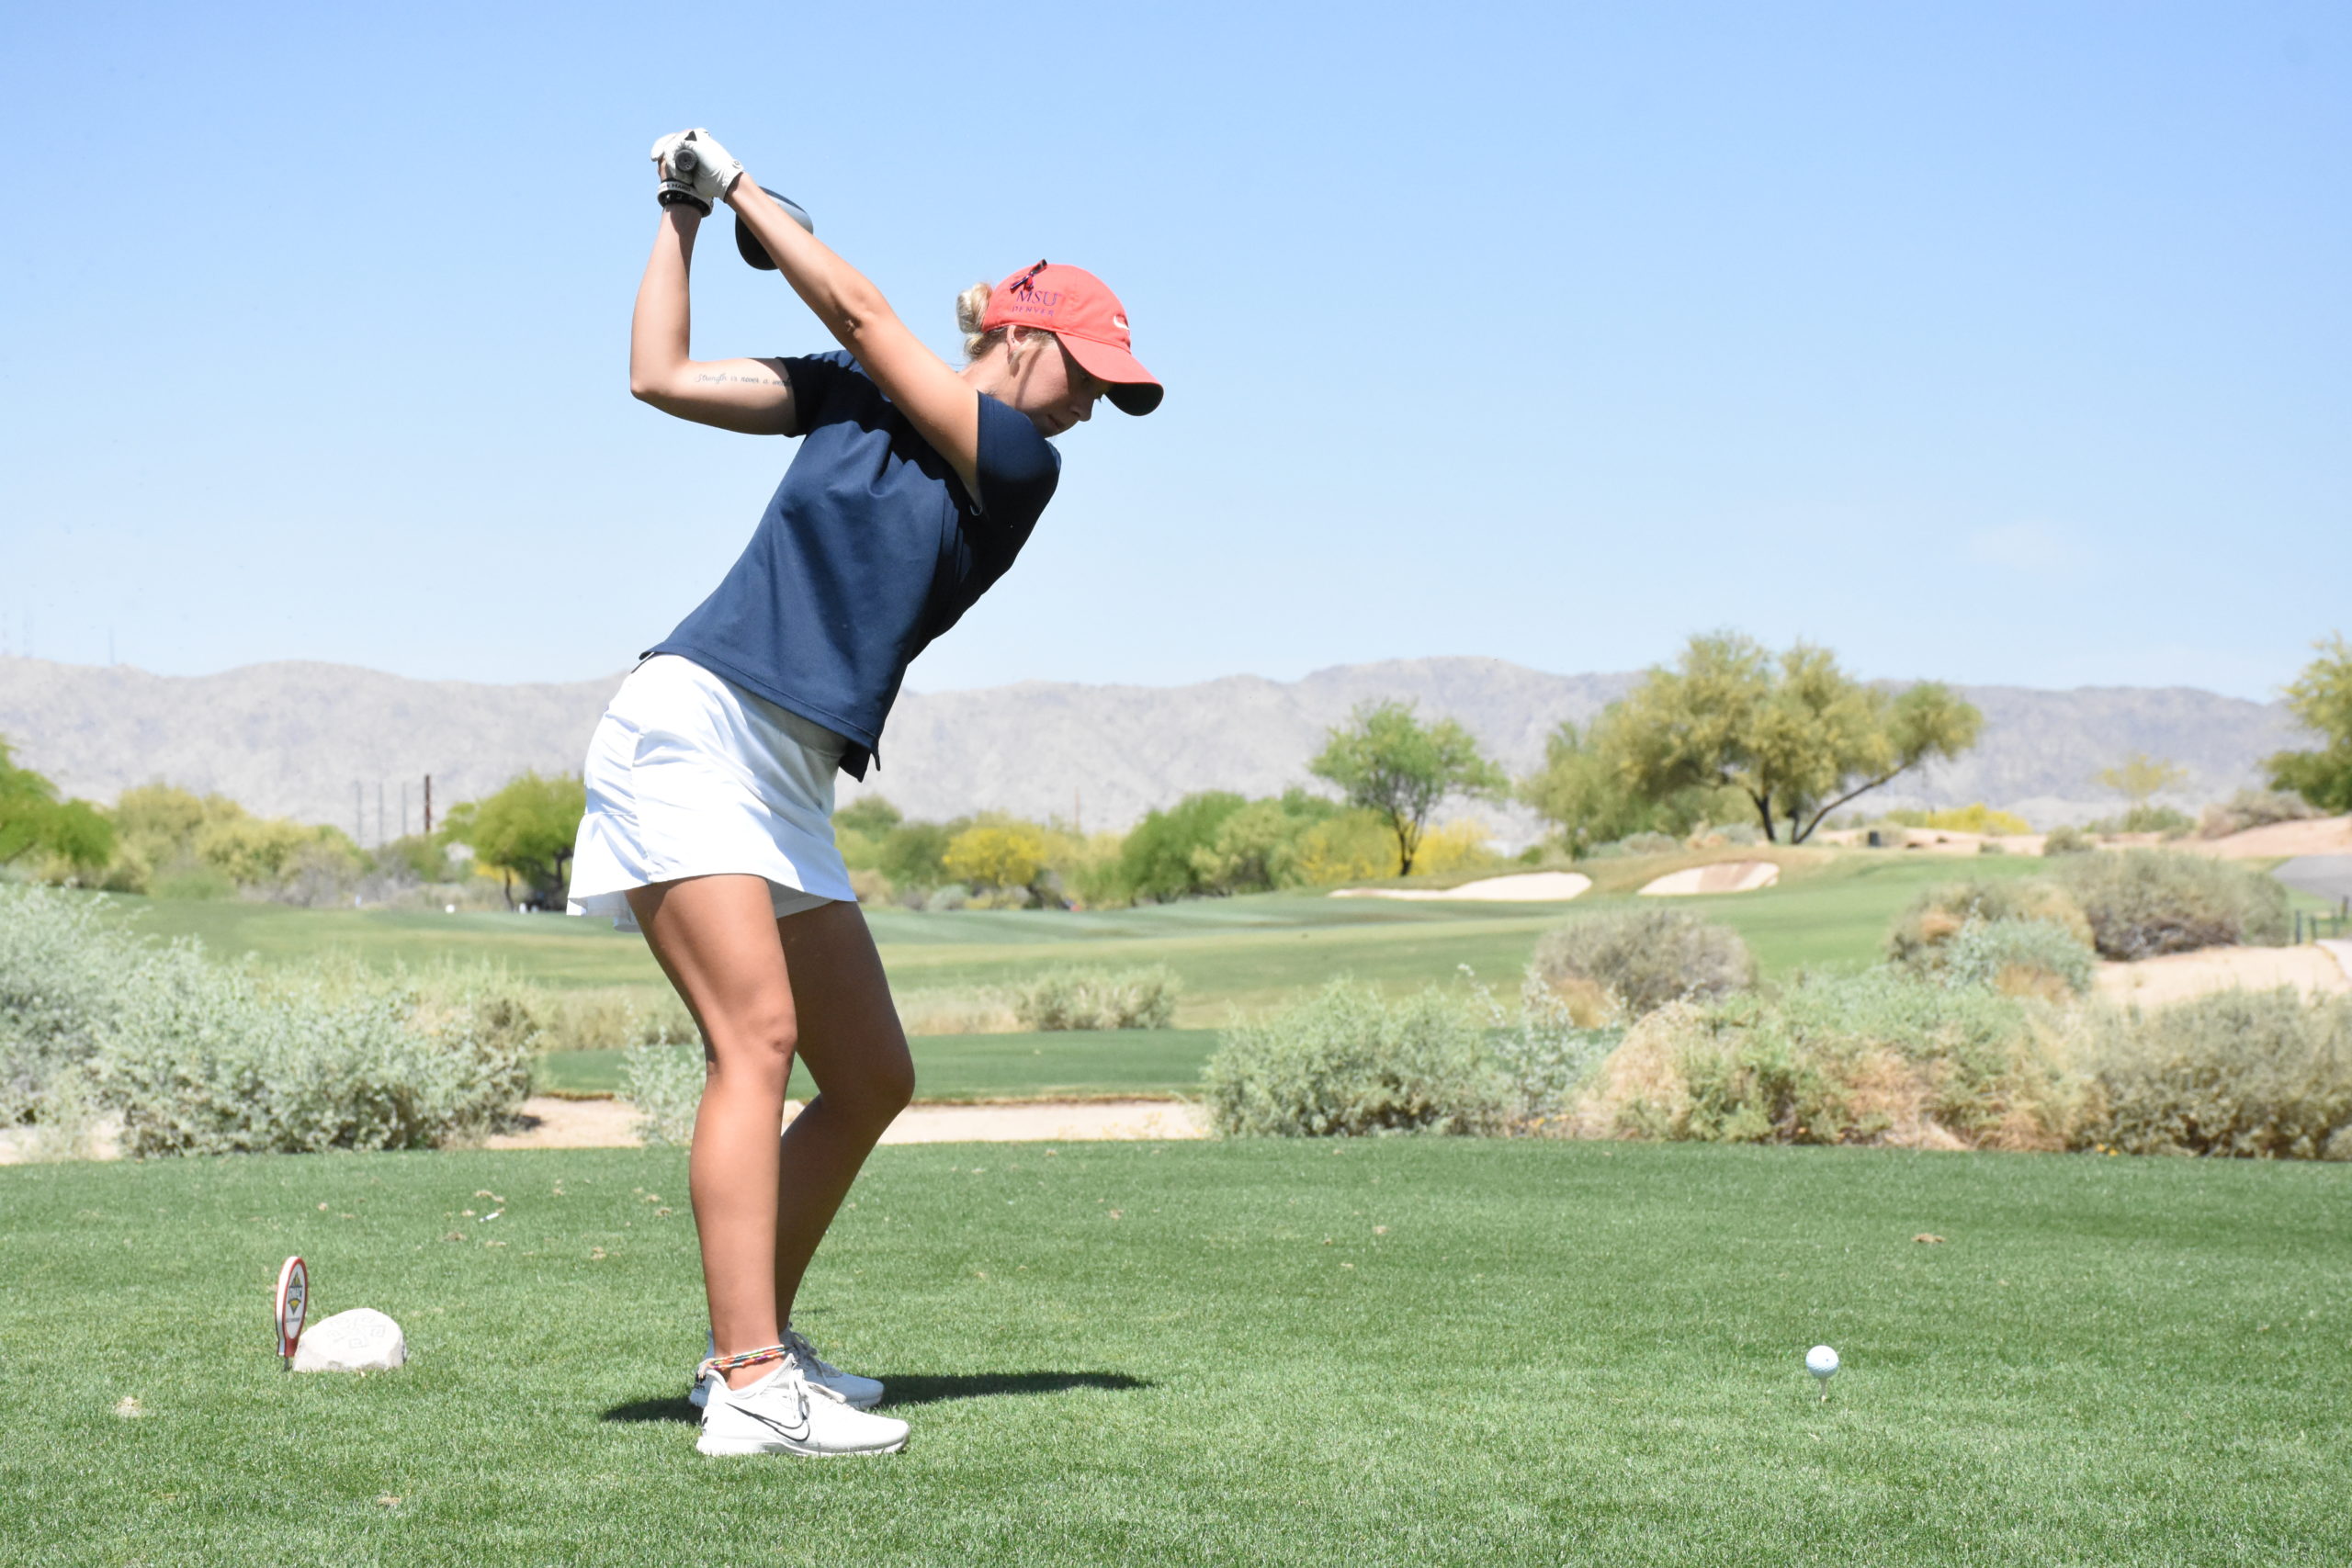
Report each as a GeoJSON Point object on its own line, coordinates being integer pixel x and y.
{"type": "Point", "coordinates": [428, 806]}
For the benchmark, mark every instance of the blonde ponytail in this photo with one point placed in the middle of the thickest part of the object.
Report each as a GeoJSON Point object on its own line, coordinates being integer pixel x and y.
{"type": "Point", "coordinates": [971, 310]}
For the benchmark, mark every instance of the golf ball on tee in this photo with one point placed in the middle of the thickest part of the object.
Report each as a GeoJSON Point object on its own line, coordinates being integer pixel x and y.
{"type": "Point", "coordinates": [1821, 1361]}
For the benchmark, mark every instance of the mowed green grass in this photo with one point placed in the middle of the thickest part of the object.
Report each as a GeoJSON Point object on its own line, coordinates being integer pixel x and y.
{"type": "Point", "coordinates": [1392, 1351]}
{"type": "Point", "coordinates": [1147, 1062]}
{"type": "Point", "coordinates": [1240, 954]}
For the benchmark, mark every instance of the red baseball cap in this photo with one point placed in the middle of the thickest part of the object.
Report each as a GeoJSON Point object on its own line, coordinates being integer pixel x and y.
{"type": "Point", "coordinates": [1076, 306]}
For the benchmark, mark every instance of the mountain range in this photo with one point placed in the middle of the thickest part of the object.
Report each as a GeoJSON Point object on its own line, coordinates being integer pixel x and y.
{"type": "Point", "coordinates": [328, 742]}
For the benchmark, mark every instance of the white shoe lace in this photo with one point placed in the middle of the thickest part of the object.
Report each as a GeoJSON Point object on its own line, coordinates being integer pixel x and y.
{"type": "Point", "coordinates": [806, 1355]}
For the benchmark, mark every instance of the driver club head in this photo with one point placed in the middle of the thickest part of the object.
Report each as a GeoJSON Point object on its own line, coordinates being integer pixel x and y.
{"type": "Point", "coordinates": [749, 244]}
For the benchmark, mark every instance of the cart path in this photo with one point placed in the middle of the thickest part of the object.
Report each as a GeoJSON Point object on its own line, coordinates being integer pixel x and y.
{"type": "Point", "coordinates": [552, 1123]}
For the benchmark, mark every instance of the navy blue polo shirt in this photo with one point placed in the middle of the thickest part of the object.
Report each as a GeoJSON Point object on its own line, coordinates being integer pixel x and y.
{"type": "Point", "coordinates": [869, 549]}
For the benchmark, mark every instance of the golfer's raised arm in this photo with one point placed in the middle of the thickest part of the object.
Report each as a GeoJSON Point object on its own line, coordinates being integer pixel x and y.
{"type": "Point", "coordinates": [939, 402]}
{"type": "Point", "coordinates": [748, 395]}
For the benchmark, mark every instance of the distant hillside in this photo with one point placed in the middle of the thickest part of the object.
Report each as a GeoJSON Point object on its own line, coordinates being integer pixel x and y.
{"type": "Point", "coordinates": [294, 738]}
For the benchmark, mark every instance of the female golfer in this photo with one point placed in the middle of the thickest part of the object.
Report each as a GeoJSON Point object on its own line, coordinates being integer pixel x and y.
{"type": "Point", "coordinates": [710, 779]}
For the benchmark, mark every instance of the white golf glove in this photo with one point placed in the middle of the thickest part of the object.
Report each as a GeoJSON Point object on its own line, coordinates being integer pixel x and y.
{"type": "Point", "coordinates": [693, 162]}
{"type": "Point", "coordinates": [676, 189]}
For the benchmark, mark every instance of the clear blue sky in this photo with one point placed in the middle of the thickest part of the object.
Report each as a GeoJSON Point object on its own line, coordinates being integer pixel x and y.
{"type": "Point", "coordinates": [2000, 343]}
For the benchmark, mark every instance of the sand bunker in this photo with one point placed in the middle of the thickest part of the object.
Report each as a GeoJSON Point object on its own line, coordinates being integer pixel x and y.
{"type": "Point", "coordinates": [1723, 876]}
{"type": "Point", "coordinates": [2177, 977]}
{"type": "Point", "coordinates": [2317, 836]}
{"type": "Point", "coordinates": [1531, 888]}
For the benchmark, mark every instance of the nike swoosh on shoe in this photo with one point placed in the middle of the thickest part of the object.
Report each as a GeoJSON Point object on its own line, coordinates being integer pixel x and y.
{"type": "Point", "coordinates": [778, 1428]}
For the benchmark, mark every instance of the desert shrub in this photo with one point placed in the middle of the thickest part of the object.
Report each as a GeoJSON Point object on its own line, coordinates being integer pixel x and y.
{"type": "Point", "coordinates": [1635, 844]}
{"type": "Point", "coordinates": [1098, 998]}
{"type": "Point", "coordinates": [1348, 1062]}
{"type": "Point", "coordinates": [613, 1020]}
{"type": "Point", "coordinates": [2144, 903]}
{"type": "Point", "coordinates": [1976, 819]}
{"type": "Point", "coordinates": [62, 970]}
{"type": "Point", "coordinates": [1643, 958]}
{"type": "Point", "coordinates": [535, 1018]}
{"type": "Point", "coordinates": [1920, 934]}
{"type": "Point", "coordinates": [198, 1057]}
{"type": "Point", "coordinates": [2162, 820]}
{"type": "Point", "coordinates": [2253, 809]}
{"type": "Point", "coordinates": [2067, 841]}
{"type": "Point", "coordinates": [219, 1060]}
{"type": "Point", "coordinates": [2018, 958]}
{"type": "Point", "coordinates": [1545, 1053]}
{"type": "Point", "coordinates": [664, 1082]}
{"type": "Point", "coordinates": [947, 899]}
{"type": "Point", "coordinates": [985, 1010]}
{"type": "Point", "coordinates": [1713, 834]}
{"type": "Point", "coordinates": [1879, 1058]}
{"type": "Point", "coordinates": [2260, 1074]}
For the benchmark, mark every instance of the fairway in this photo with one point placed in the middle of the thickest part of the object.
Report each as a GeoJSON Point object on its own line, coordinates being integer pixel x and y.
{"type": "Point", "coordinates": [1244, 954]}
{"type": "Point", "coordinates": [1408, 1351]}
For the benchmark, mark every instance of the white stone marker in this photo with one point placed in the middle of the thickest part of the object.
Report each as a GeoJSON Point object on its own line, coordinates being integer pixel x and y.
{"type": "Point", "coordinates": [360, 1340]}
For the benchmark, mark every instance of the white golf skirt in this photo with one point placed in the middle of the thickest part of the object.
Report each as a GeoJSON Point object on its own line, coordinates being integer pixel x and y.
{"type": "Point", "coordinates": [690, 775]}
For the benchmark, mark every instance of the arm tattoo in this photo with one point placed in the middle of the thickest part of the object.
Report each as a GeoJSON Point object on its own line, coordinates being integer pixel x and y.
{"type": "Point", "coordinates": [721, 378]}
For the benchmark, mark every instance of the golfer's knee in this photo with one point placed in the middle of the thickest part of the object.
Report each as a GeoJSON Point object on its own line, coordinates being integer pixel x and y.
{"type": "Point", "coordinates": [896, 1086]}
{"type": "Point", "coordinates": [758, 1043]}
{"type": "Point", "coordinates": [879, 1092]}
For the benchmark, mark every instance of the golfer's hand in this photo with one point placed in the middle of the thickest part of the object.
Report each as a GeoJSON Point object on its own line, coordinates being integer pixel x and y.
{"type": "Point", "coordinates": [693, 160]}
{"type": "Point", "coordinates": [675, 187]}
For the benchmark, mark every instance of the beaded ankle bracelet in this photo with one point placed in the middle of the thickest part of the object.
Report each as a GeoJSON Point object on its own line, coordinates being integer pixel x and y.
{"type": "Point", "coordinates": [723, 1364]}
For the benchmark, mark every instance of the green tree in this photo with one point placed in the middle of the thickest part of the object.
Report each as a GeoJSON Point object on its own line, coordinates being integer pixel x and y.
{"type": "Point", "coordinates": [2139, 777]}
{"type": "Point", "coordinates": [255, 851]}
{"type": "Point", "coordinates": [870, 815]}
{"type": "Point", "coordinates": [1156, 862]}
{"type": "Point", "coordinates": [526, 830]}
{"type": "Point", "coordinates": [997, 852]}
{"type": "Point", "coordinates": [1385, 759]}
{"type": "Point", "coordinates": [156, 828]}
{"type": "Point", "coordinates": [1257, 848]}
{"type": "Point", "coordinates": [71, 833]}
{"type": "Point", "coordinates": [914, 854]}
{"type": "Point", "coordinates": [1580, 790]}
{"type": "Point", "coordinates": [2321, 697]}
{"type": "Point", "coordinates": [1793, 733]}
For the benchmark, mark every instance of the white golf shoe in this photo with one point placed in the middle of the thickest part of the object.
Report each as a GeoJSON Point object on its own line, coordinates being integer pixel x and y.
{"type": "Point", "coordinates": [784, 1413]}
{"type": "Point", "coordinates": [862, 1394]}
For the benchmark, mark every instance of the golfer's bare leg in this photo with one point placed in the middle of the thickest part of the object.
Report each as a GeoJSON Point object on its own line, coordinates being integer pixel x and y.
{"type": "Point", "coordinates": [850, 1041]}
{"type": "Point", "coordinates": [716, 938]}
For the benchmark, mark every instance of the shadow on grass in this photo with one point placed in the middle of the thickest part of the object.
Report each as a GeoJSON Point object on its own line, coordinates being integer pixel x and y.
{"type": "Point", "coordinates": [909, 1390]}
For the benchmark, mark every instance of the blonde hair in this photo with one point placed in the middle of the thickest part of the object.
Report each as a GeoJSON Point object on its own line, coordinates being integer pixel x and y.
{"type": "Point", "coordinates": [971, 310]}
